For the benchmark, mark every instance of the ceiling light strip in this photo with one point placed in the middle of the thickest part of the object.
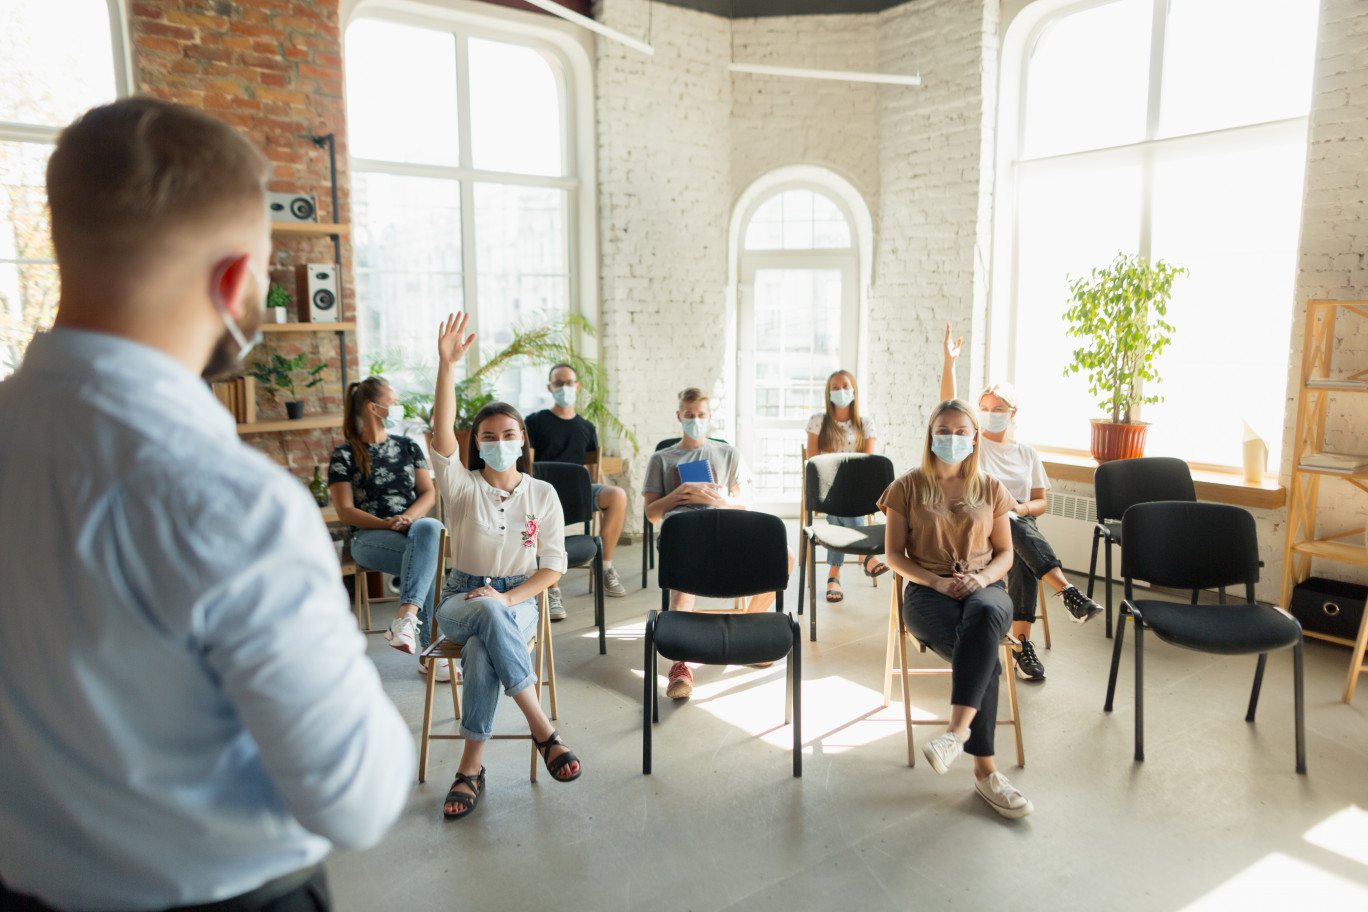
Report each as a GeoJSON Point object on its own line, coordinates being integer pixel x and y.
{"type": "Point", "coordinates": [804, 73]}
{"type": "Point", "coordinates": [570, 15]}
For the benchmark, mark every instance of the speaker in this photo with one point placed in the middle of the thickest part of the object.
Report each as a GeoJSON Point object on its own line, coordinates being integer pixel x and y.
{"type": "Point", "coordinates": [291, 207]}
{"type": "Point", "coordinates": [317, 293]}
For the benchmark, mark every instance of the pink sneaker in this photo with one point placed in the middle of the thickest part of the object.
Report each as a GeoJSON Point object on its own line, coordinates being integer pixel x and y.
{"type": "Point", "coordinates": [443, 671]}
{"type": "Point", "coordinates": [403, 633]}
{"type": "Point", "coordinates": [681, 682]}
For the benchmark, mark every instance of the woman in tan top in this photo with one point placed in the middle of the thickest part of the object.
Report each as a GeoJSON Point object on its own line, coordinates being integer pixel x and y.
{"type": "Point", "coordinates": [948, 534]}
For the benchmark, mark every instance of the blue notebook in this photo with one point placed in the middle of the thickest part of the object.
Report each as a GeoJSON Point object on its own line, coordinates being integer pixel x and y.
{"type": "Point", "coordinates": [698, 470]}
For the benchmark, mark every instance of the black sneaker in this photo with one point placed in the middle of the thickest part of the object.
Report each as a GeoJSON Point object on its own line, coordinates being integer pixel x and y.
{"type": "Point", "coordinates": [1080, 606]}
{"type": "Point", "coordinates": [1028, 666]}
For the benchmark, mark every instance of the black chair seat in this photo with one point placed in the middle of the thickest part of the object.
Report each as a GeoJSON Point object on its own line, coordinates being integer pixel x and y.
{"type": "Point", "coordinates": [723, 639]}
{"type": "Point", "coordinates": [848, 539]}
{"type": "Point", "coordinates": [580, 550]}
{"type": "Point", "coordinates": [1231, 629]}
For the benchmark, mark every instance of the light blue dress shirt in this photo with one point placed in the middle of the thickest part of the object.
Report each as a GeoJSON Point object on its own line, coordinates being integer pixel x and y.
{"type": "Point", "coordinates": [186, 706]}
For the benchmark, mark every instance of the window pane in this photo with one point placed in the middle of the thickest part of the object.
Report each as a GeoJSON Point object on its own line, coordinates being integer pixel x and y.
{"type": "Point", "coordinates": [798, 219]}
{"type": "Point", "coordinates": [797, 339]}
{"type": "Point", "coordinates": [522, 274]}
{"type": "Point", "coordinates": [408, 270]}
{"type": "Point", "coordinates": [1070, 220]}
{"type": "Point", "coordinates": [1231, 62]}
{"type": "Point", "coordinates": [1231, 218]}
{"type": "Point", "coordinates": [401, 93]}
{"type": "Point", "coordinates": [1087, 82]}
{"type": "Point", "coordinates": [515, 109]}
{"type": "Point", "coordinates": [56, 59]}
{"type": "Point", "coordinates": [28, 276]}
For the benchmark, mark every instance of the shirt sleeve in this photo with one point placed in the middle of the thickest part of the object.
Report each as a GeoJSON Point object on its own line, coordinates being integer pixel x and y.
{"type": "Point", "coordinates": [339, 467]}
{"type": "Point", "coordinates": [451, 477]}
{"type": "Point", "coordinates": [869, 428]}
{"type": "Point", "coordinates": [1003, 502]}
{"type": "Point", "coordinates": [814, 425]}
{"type": "Point", "coordinates": [895, 496]}
{"type": "Point", "coordinates": [593, 437]}
{"type": "Point", "coordinates": [655, 476]}
{"type": "Point", "coordinates": [550, 528]}
{"type": "Point", "coordinates": [1038, 477]}
{"type": "Point", "coordinates": [416, 454]}
{"type": "Point", "coordinates": [533, 422]}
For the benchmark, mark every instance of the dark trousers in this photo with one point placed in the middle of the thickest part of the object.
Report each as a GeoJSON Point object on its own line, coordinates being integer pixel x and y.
{"type": "Point", "coordinates": [310, 896]}
{"type": "Point", "coordinates": [966, 635]}
{"type": "Point", "coordinates": [1034, 559]}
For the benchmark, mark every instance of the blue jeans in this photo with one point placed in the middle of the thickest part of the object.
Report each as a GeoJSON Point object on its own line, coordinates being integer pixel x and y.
{"type": "Point", "coordinates": [836, 558]}
{"type": "Point", "coordinates": [494, 639]}
{"type": "Point", "coordinates": [412, 557]}
{"type": "Point", "coordinates": [594, 491]}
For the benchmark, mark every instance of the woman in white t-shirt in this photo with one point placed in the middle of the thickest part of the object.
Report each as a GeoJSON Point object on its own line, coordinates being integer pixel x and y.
{"type": "Point", "coordinates": [840, 428]}
{"type": "Point", "coordinates": [1018, 467]}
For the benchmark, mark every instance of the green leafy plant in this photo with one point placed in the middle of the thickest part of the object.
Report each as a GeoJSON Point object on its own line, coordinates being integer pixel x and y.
{"type": "Point", "coordinates": [1119, 311]}
{"type": "Point", "coordinates": [277, 374]}
{"type": "Point", "coordinates": [277, 296]}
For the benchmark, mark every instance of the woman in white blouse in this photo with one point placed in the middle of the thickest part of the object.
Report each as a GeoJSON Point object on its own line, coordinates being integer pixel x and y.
{"type": "Point", "coordinates": [501, 522]}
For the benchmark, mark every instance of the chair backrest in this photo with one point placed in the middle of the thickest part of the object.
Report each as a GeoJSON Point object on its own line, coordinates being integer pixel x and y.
{"type": "Point", "coordinates": [1185, 545]}
{"type": "Point", "coordinates": [724, 553]}
{"type": "Point", "coordinates": [573, 489]}
{"type": "Point", "coordinates": [845, 484]}
{"type": "Point", "coordinates": [1122, 483]}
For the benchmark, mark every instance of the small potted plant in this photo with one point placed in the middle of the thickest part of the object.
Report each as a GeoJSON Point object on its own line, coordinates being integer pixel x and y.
{"type": "Point", "coordinates": [277, 375]}
{"type": "Point", "coordinates": [277, 300]}
{"type": "Point", "coordinates": [1118, 311]}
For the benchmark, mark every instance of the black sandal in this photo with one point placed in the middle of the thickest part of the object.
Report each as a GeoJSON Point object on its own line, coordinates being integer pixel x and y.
{"type": "Point", "coordinates": [837, 592]}
{"type": "Point", "coordinates": [563, 759]}
{"type": "Point", "coordinates": [477, 783]}
{"type": "Point", "coordinates": [883, 568]}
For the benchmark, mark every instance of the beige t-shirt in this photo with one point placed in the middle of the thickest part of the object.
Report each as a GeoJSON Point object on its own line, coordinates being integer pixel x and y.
{"type": "Point", "coordinates": [947, 538]}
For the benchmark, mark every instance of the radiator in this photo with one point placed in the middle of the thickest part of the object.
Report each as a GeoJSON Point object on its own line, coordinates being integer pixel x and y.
{"type": "Point", "coordinates": [1068, 524]}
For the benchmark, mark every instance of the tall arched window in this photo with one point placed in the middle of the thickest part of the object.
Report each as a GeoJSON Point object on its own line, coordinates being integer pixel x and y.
{"type": "Point", "coordinates": [1176, 129]}
{"type": "Point", "coordinates": [464, 192]}
{"type": "Point", "coordinates": [57, 59]}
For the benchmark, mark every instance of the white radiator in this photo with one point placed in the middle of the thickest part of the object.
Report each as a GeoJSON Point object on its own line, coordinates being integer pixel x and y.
{"type": "Point", "coordinates": [1068, 523]}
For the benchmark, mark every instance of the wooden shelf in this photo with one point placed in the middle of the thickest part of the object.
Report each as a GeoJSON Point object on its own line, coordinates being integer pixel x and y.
{"type": "Point", "coordinates": [1336, 389]}
{"type": "Point", "coordinates": [310, 229]}
{"type": "Point", "coordinates": [345, 326]}
{"type": "Point", "coordinates": [1343, 552]}
{"type": "Point", "coordinates": [1211, 485]}
{"type": "Point", "coordinates": [308, 422]}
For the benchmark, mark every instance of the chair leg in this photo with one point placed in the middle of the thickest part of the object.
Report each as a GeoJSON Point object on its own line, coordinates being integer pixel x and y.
{"type": "Point", "coordinates": [1139, 688]}
{"type": "Point", "coordinates": [1092, 564]}
{"type": "Point", "coordinates": [907, 696]}
{"type": "Point", "coordinates": [648, 697]}
{"type": "Point", "coordinates": [455, 694]}
{"type": "Point", "coordinates": [425, 743]}
{"type": "Point", "coordinates": [550, 677]}
{"type": "Point", "coordinates": [645, 551]}
{"type": "Point", "coordinates": [1108, 584]}
{"type": "Point", "coordinates": [812, 588]}
{"type": "Point", "coordinates": [1013, 707]}
{"type": "Point", "coordinates": [1299, 707]}
{"type": "Point", "coordinates": [363, 581]}
{"type": "Point", "coordinates": [889, 649]}
{"type": "Point", "coordinates": [1116, 659]}
{"type": "Point", "coordinates": [599, 611]}
{"type": "Point", "coordinates": [802, 568]}
{"type": "Point", "coordinates": [1044, 615]}
{"type": "Point", "coordinates": [1258, 682]}
{"type": "Point", "coordinates": [796, 664]}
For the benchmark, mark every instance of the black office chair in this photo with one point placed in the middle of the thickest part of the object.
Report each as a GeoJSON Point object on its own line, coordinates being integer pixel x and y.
{"type": "Point", "coordinates": [577, 502]}
{"type": "Point", "coordinates": [648, 527]}
{"type": "Point", "coordinates": [839, 484]}
{"type": "Point", "coordinates": [1185, 545]}
{"type": "Point", "coordinates": [723, 554]}
{"type": "Point", "coordinates": [1119, 485]}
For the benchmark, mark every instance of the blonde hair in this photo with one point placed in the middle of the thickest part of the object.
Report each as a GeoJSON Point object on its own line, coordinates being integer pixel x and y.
{"type": "Point", "coordinates": [975, 482]}
{"type": "Point", "coordinates": [829, 437]}
{"type": "Point", "coordinates": [1004, 391]}
{"type": "Point", "coordinates": [692, 394]}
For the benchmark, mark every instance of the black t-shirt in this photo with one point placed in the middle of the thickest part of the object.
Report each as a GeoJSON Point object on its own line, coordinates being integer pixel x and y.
{"type": "Point", "coordinates": [391, 486]}
{"type": "Point", "coordinates": [557, 439]}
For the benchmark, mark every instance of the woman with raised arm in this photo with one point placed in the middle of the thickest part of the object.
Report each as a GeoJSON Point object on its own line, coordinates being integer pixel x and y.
{"type": "Point", "coordinates": [948, 536]}
{"type": "Point", "coordinates": [503, 523]}
{"type": "Point", "coordinates": [840, 428]}
{"type": "Point", "coordinates": [1019, 468]}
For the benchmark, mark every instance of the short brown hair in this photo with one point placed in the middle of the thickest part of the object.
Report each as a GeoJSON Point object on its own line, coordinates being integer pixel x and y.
{"type": "Point", "coordinates": [125, 175]}
{"type": "Point", "coordinates": [692, 394]}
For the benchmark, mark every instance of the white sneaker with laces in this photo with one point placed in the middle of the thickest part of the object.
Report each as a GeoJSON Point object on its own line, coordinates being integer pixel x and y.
{"type": "Point", "coordinates": [443, 671]}
{"type": "Point", "coordinates": [943, 751]}
{"type": "Point", "coordinates": [554, 603]}
{"type": "Point", "coordinates": [1003, 796]}
{"type": "Point", "coordinates": [611, 584]}
{"type": "Point", "coordinates": [403, 633]}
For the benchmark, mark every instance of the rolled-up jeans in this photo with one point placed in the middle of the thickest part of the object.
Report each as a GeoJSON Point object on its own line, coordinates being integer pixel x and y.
{"type": "Point", "coordinates": [836, 558]}
{"type": "Point", "coordinates": [1034, 559]}
{"type": "Point", "coordinates": [411, 556]}
{"type": "Point", "coordinates": [493, 637]}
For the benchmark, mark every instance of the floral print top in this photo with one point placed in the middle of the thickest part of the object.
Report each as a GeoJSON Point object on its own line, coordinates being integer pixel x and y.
{"type": "Point", "coordinates": [390, 488]}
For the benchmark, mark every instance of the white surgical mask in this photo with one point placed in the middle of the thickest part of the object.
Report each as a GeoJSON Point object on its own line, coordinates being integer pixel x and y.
{"type": "Point", "coordinates": [995, 421]}
{"type": "Point", "coordinates": [564, 395]}
{"type": "Point", "coordinates": [243, 343]}
{"type": "Point", "coordinates": [952, 449]}
{"type": "Point", "coordinates": [696, 428]}
{"type": "Point", "coordinates": [841, 398]}
{"type": "Point", "coordinates": [500, 455]}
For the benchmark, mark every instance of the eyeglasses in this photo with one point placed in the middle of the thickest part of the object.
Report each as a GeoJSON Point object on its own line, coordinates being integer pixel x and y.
{"type": "Point", "coordinates": [562, 384]}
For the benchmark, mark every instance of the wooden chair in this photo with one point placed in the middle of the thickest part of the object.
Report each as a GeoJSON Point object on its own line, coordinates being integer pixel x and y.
{"type": "Point", "coordinates": [1044, 615]}
{"type": "Point", "coordinates": [361, 600]}
{"type": "Point", "coordinates": [898, 633]}
{"type": "Point", "coordinates": [544, 662]}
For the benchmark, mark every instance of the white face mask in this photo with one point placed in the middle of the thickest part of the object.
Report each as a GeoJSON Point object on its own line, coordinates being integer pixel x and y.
{"type": "Point", "coordinates": [393, 417]}
{"type": "Point", "coordinates": [841, 398]}
{"type": "Point", "coordinates": [500, 455]}
{"type": "Point", "coordinates": [244, 344]}
{"type": "Point", "coordinates": [994, 422]}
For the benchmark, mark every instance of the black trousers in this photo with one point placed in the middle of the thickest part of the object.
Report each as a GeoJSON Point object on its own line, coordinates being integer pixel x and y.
{"type": "Point", "coordinates": [1034, 559]}
{"type": "Point", "coordinates": [966, 635]}
{"type": "Point", "coordinates": [310, 896]}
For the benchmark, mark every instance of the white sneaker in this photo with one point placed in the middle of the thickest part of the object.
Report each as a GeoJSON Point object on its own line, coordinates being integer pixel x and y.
{"type": "Point", "coordinates": [403, 633]}
{"type": "Point", "coordinates": [553, 601]}
{"type": "Point", "coordinates": [611, 584]}
{"type": "Point", "coordinates": [1003, 796]}
{"type": "Point", "coordinates": [443, 671]}
{"type": "Point", "coordinates": [943, 751]}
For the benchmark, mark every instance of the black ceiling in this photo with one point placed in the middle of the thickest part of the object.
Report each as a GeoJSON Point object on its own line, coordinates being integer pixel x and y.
{"type": "Point", "coordinates": [754, 9]}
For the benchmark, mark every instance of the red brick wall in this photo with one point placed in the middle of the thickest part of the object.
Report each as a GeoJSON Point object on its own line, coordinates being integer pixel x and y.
{"type": "Point", "coordinates": [273, 69]}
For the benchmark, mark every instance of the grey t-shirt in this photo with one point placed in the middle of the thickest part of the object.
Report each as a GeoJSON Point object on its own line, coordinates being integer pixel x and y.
{"type": "Point", "coordinates": [728, 470]}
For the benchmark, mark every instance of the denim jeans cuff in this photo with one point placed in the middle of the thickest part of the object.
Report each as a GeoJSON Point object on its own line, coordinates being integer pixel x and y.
{"type": "Point", "coordinates": [522, 685]}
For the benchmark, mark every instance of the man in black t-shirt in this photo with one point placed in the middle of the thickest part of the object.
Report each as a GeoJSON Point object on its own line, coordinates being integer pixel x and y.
{"type": "Point", "coordinates": [558, 434]}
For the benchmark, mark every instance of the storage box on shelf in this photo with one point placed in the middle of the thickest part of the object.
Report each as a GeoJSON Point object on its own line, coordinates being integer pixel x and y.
{"type": "Point", "coordinates": [1313, 405]}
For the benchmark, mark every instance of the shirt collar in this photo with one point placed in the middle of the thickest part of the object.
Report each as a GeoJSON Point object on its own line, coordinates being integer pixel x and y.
{"type": "Point", "coordinates": [490, 489]}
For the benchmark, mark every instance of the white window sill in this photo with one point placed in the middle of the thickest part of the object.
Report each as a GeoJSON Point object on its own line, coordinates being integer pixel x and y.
{"type": "Point", "coordinates": [1213, 484]}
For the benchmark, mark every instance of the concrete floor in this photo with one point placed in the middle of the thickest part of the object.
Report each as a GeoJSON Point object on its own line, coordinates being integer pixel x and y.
{"type": "Point", "coordinates": [1215, 818]}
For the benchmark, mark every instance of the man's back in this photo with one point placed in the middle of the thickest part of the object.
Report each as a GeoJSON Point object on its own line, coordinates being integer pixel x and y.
{"type": "Point", "coordinates": [164, 737]}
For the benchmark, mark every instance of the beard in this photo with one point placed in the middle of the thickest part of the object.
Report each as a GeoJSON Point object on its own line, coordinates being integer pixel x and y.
{"type": "Point", "coordinates": [224, 360]}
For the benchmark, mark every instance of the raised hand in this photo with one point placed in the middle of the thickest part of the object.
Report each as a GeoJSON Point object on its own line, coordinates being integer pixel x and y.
{"type": "Point", "coordinates": [450, 348]}
{"type": "Point", "coordinates": [952, 349]}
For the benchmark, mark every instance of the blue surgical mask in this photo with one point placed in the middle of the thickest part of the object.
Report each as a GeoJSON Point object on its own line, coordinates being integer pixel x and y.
{"type": "Point", "coordinates": [500, 455]}
{"type": "Point", "coordinates": [564, 395]}
{"type": "Point", "coordinates": [952, 449]}
{"type": "Point", "coordinates": [696, 428]}
{"type": "Point", "coordinates": [995, 421]}
{"type": "Point", "coordinates": [841, 398]}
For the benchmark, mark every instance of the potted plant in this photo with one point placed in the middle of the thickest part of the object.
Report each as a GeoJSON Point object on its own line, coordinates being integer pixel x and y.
{"type": "Point", "coordinates": [1118, 311]}
{"type": "Point", "coordinates": [277, 374]}
{"type": "Point", "coordinates": [277, 300]}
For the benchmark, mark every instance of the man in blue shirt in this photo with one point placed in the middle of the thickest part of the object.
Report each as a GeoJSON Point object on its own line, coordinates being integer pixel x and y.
{"type": "Point", "coordinates": [187, 713]}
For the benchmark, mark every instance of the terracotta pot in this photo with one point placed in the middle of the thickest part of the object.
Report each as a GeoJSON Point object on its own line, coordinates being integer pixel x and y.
{"type": "Point", "coordinates": [1117, 441]}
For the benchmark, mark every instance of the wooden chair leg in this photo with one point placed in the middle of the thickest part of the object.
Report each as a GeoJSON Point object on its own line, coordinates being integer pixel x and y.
{"type": "Point", "coordinates": [426, 742]}
{"type": "Point", "coordinates": [1012, 705]}
{"type": "Point", "coordinates": [1044, 615]}
{"type": "Point", "coordinates": [907, 697]}
{"type": "Point", "coordinates": [1356, 663]}
{"type": "Point", "coordinates": [363, 584]}
{"type": "Point", "coordinates": [890, 650]}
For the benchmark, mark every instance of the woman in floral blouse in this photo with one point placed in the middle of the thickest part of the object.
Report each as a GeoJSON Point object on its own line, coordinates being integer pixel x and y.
{"type": "Point", "coordinates": [507, 546]}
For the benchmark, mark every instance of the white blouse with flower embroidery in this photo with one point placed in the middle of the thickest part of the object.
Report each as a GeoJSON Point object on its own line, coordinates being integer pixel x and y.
{"type": "Point", "coordinates": [495, 533]}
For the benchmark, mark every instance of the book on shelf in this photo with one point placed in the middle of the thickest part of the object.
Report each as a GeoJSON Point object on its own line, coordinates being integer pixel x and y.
{"type": "Point", "coordinates": [1352, 382]}
{"type": "Point", "coordinates": [1348, 463]}
{"type": "Point", "coordinates": [238, 396]}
